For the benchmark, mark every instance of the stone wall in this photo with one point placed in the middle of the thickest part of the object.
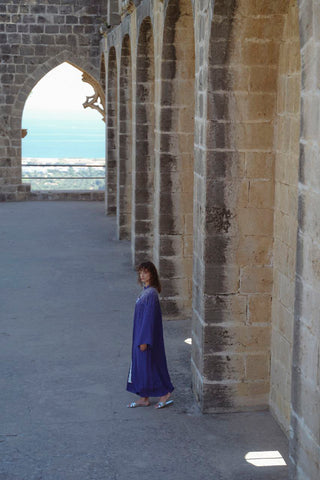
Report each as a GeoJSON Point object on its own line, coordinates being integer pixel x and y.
{"type": "Point", "coordinates": [34, 38]}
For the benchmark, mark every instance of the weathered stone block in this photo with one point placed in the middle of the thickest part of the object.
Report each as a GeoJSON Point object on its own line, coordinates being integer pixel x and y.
{"type": "Point", "coordinates": [217, 250]}
{"type": "Point", "coordinates": [255, 250]}
{"type": "Point", "coordinates": [259, 308]}
{"type": "Point", "coordinates": [254, 221]}
{"type": "Point", "coordinates": [220, 308]}
{"type": "Point", "coordinates": [254, 136]}
{"type": "Point", "coordinates": [261, 194]}
{"type": "Point", "coordinates": [172, 308]}
{"type": "Point", "coordinates": [221, 279]}
{"type": "Point", "coordinates": [220, 135]}
{"type": "Point", "coordinates": [171, 267]}
{"type": "Point", "coordinates": [257, 53]}
{"type": "Point", "coordinates": [256, 279]}
{"type": "Point", "coordinates": [219, 220]}
{"type": "Point", "coordinates": [217, 397]}
{"type": "Point", "coordinates": [259, 165]}
{"type": "Point", "coordinates": [170, 244]}
{"type": "Point", "coordinates": [252, 395]}
{"type": "Point", "coordinates": [224, 368]}
{"type": "Point", "coordinates": [257, 367]}
{"type": "Point", "coordinates": [236, 339]}
{"type": "Point", "coordinates": [172, 287]}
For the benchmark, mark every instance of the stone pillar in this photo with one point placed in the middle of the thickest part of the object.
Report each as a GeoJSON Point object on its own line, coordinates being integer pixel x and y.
{"type": "Point", "coordinates": [176, 159]}
{"type": "Point", "coordinates": [286, 146]}
{"type": "Point", "coordinates": [305, 411]}
{"type": "Point", "coordinates": [112, 135]}
{"type": "Point", "coordinates": [234, 207]}
{"type": "Point", "coordinates": [202, 25]}
{"type": "Point", "coordinates": [143, 167]}
{"type": "Point", "coordinates": [124, 183]}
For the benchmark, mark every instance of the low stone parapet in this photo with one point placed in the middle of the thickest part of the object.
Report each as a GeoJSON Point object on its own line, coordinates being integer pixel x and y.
{"type": "Point", "coordinates": [65, 195]}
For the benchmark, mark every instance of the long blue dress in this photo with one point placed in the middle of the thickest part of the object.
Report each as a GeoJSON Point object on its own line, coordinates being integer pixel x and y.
{"type": "Point", "coordinates": [148, 375]}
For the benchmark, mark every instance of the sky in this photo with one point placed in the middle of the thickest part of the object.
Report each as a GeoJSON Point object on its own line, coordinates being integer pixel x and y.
{"type": "Point", "coordinates": [58, 125]}
{"type": "Point", "coordinates": [61, 91]}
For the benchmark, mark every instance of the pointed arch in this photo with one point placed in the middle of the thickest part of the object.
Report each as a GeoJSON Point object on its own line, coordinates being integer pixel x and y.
{"type": "Point", "coordinates": [14, 121]}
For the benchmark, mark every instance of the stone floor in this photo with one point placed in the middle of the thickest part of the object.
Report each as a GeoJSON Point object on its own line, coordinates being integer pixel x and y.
{"type": "Point", "coordinates": [67, 293]}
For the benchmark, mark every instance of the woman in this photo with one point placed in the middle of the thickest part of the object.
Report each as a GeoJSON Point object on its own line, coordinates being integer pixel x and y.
{"type": "Point", "coordinates": [148, 374]}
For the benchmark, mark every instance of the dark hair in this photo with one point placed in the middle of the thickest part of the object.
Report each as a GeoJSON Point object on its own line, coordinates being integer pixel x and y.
{"type": "Point", "coordinates": [154, 277]}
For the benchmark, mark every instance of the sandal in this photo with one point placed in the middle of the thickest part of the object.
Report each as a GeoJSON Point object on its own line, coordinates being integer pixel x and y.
{"type": "Point", "coordinates": [164, 404]}
{"type": "Point", "coordinates": [136, 404]}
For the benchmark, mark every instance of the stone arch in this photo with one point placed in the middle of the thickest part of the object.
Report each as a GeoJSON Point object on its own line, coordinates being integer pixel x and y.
{"type": "Point", "coordinates": [40, 71]}
{"type": "Point", "coordinates": [15, 119]}
{"type": "Point", "coordinates": [143, 168]}
{"type": "Point", "coordinates": [231, 352]}
{"type": "Point", "coordinates": [124, 188]}
{"type": "Point", "coordinates": [112, 143]}
{"type": "Point", "coordinates": [176, 157]}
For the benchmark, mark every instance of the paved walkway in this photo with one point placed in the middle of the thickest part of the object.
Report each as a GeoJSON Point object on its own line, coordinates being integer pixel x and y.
{"type": "Point", "coordinates": [67, 292]}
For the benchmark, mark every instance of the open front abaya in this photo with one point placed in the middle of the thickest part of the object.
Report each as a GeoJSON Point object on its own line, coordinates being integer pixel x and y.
{"type": "Point", "coordinates": [148, 374]}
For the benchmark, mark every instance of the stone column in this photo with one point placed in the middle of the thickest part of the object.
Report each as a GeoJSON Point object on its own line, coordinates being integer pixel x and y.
{"type": "Point", "coordinates": [124, 183]}
{"type": "Point", "coordinates": [286, 146]}
{"type": "Point", "coordinates": [112, 136]}
{"type": "Point", "coordinates": [234, 207]}
{"type": "Point", "coordinates": [305, 411]}
{"type": "Point", "coordinates": [176, 159]}
{"type": "Point", "coordinates": [143, 166]}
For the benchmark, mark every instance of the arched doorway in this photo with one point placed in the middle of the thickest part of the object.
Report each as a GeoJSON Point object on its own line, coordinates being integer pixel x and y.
{"type": "Point", "coordinates": [64, 148]}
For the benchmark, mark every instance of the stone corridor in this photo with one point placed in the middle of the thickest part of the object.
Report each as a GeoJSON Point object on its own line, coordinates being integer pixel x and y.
{"type": "Point", "coordinates": [67, 292]}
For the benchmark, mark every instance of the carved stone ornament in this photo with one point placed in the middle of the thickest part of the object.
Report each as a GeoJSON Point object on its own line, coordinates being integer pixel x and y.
{"type": "Point", "coordinates": [97, 100]}
{"type": "Point", "coordinates": [127, 7]}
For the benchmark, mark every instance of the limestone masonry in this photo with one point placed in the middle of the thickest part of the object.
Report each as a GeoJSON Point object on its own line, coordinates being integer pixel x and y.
{"type": "Point", "coordinates": [212, 170]}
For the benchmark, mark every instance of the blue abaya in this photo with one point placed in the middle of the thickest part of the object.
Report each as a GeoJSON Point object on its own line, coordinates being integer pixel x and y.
{"type": "Point", "coordinates": [148, 375]}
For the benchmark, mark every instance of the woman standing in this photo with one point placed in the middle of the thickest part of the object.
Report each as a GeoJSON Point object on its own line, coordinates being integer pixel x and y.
{"type": "Point", "coordinates": [148, 374]}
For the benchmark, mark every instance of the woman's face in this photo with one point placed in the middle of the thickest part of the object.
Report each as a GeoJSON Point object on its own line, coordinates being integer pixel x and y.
{"type": "Point", "coordinates": [145, 277]}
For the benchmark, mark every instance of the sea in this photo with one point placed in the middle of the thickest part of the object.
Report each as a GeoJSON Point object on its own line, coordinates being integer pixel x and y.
{"type": "Point", "coordinates": [64, 138]}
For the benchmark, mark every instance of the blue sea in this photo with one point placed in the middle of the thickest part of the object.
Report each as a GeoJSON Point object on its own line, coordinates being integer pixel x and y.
{"type": "Point", "coordinates": [67, 137]}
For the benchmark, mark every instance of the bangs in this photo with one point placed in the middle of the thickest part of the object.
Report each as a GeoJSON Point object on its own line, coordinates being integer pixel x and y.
{"type": "Point", "coordinates": [144, 266]}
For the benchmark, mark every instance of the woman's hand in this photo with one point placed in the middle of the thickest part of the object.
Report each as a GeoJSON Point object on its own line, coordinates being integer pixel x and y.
{"type": "Point", "coordinates": [143, 347]}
